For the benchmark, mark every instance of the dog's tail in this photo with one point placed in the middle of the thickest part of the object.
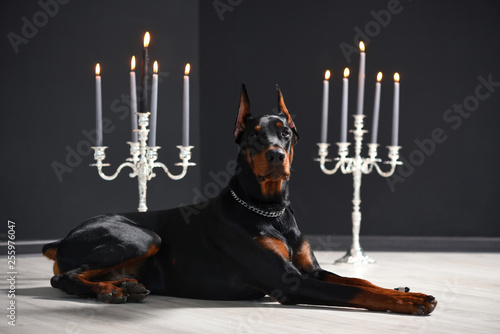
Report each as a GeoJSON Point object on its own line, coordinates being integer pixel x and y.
{"type": "Point", "coordinates": [50, 250]}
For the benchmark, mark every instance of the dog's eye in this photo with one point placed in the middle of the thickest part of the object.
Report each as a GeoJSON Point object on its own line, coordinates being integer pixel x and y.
{"type": "Point", "coordinates": [285, 133]}
{"type": "Point", "coordinates": [253, 135]}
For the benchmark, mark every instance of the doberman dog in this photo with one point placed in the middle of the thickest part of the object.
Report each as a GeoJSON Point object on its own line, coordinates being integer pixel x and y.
{"type": "Point", "coordinates": [241, 245]}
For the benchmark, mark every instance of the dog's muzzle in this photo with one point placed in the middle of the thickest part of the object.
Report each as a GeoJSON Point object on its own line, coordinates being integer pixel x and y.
{"type": "Point", "coordinates": [275, 167]}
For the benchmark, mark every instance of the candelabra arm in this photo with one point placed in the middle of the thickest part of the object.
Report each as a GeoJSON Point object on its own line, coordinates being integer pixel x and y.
{"type": "Point", "coordinates": [385, 174]}
{"type": "Point", "coordinates": [185, 156]}
{"type": "Point", "coordinates": [342, 159]}
{"type": "Point", "coordinates": [170, 175]}
{"type": "Point", "coordinates": [99, 156]}
{"type": "Point", "coordinates": [112, 177]}
{"type": "Point", "coordinates": [394, 161]}
{"type": "Point", "coordinates": [142, 160]}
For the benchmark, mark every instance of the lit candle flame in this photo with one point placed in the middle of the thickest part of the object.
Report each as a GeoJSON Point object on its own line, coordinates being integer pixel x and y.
{"type": "Point", "coordinates": [187, 69]}
{"type": "Point", "coordinates": [147, 38]}
{"type": "Point", "coordinates": [327, 74]}
{"type": "Point", "coordinates": [97, 69]}
{"type": "Point", "coordinates": [346, 72]}
{"type": "Point", "coordinates": [379, 76]}
{"type": "Point", "coordinates": [155, 67]}
{"type": "Point", "coordinates": [132, 64]}
{"type": "Point", "coordinates": [396, 76]}
{"type": "Point", "coordinates": [362, 46]}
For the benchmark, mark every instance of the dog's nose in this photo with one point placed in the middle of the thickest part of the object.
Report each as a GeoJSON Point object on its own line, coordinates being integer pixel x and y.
{"type": "Point", "coordinates": [275, 156]}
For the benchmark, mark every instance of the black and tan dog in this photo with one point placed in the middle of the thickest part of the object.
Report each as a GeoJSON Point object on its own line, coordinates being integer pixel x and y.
{"type": "Point", "coordinates": [243, 244]}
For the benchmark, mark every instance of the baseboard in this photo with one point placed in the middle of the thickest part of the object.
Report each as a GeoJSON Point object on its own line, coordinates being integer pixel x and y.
{"type": "Point", "coordinates": [407, 244]}
{"type": "Point", "coordinates": [343, 243]}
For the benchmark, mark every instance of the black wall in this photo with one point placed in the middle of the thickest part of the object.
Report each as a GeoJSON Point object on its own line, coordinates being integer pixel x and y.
{"type": "Point", "coordinates": [440, 49]}
{"type": "Point", "coordinates": [450, 188]}
{"type": "Point", "coordinates": [48, 100]}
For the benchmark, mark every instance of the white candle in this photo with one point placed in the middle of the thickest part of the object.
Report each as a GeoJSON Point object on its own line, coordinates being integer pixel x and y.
{"type": "Point", "coordinates": [361, 79]}
{"type": "Point", "coordinates": [98, 105]}
{"type": "Point", "coordinates": [185, 107]}
{"type": "Point", "coordinates": [145, 73]}
{"type": "Point", "coordinates": [133, 100]}
{"type": "Point", "coordinates": [395, 111]}
{"type": "Point", "coordinates": [154, 106]}
{"type": "Point", "coordinates": [343, 120]}
{"type": "Point", "coordinates": [324, 114]}
{"type": "Point", "coordinates": [376, 108]}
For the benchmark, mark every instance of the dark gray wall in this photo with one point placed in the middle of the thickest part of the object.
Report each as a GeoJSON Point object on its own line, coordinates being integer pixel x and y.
{"type": "Point", "coordinates": [450, 188]}
{"type": "Point", "coordinates": [48, 101]}
{"type": "Point", "coordinates": [440, 49]}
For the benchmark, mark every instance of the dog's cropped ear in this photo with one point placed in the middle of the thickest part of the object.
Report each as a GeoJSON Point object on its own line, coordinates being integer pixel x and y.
{"type": "Point", "coordinates": [243, 112]}
{"type": "Point", "coordinates": [283, 111]}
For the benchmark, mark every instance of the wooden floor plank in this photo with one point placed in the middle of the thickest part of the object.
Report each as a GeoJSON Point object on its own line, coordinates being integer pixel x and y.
{"type": "Point", "coordinates": [467, 286]}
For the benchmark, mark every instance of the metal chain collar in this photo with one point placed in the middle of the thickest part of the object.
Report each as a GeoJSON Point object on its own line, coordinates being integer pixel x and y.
{"type": "Point", "coordinates": [269, 214]}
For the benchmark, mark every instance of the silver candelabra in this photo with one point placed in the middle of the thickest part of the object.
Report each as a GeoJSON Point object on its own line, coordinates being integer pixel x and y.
{"type": "Point", "coordinates": [142, 161]}
{"type": "Point", "coordinates": [357, 166]}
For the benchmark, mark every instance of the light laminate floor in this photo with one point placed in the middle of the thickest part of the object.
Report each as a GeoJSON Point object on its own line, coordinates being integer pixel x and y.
{"type": "Point", "coordinates": [467, 286]}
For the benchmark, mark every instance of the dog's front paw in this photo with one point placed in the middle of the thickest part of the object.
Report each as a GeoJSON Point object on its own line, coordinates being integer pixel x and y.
{"type": "Point", "coordinates": [415, 303]}
{"type": "Point", "coordinates": [428, 305]}
{"type": "Point", "coordinates": [135, 291]}
{"type": "Point", "coordinates": [111, 294]}
{"type": "Point", "coordinates": [127, 290]}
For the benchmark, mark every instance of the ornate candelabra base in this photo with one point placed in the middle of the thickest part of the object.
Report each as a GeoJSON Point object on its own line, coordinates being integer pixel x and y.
{"type": "Point", "coordinates": [357, 166]}
{"type": "Point", "coordinates": [355, 256]}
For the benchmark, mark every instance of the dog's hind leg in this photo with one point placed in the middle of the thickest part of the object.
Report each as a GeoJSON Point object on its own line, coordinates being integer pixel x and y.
{"type": "Point", "coordinates": [116, 284]}
{"type": "Point", "coordinates": [102, 257]}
